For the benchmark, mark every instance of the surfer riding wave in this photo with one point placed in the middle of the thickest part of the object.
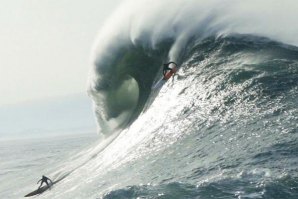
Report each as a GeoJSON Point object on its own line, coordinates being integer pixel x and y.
{"type": "Point", "coordinates": [166, 68]}
{"type": "Point", "coordinates": [45, 179]}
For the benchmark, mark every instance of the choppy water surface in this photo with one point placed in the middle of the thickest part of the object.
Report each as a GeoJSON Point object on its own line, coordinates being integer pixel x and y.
{"type": "Point", "coordinates": [23, 161]}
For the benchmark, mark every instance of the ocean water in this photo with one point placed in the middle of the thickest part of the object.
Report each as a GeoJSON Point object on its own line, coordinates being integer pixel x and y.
{"type": "Point", "coordinates": [225, 126]}
{"type": "Point", "coordinates": [24, 161]}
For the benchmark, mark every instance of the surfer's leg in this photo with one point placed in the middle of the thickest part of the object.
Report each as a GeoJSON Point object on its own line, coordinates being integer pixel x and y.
{"type": "Point", "coordinates": [40, 184]}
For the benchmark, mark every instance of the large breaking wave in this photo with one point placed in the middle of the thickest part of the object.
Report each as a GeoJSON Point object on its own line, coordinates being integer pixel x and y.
{"type": "Point", "coordinates": [141, 35]}
{"type": "Point", "coordinates": [224, 127]}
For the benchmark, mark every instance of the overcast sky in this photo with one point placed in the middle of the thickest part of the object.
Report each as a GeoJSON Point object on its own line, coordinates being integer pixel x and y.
{"type": "Point", "coordinates": [45, 46]}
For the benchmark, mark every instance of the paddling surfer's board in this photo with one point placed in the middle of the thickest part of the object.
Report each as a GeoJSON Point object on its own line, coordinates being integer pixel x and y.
{"type": "Point", "coordinates": [167, 76]}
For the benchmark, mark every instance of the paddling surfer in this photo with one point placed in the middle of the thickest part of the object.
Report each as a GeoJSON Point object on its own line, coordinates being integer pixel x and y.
{"type": "Point", "coordinates": [44, 179]}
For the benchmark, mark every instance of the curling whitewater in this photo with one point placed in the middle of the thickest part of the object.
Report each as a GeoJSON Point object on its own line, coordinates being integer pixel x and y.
{"type": "Point", "coordinates": [224, 127]}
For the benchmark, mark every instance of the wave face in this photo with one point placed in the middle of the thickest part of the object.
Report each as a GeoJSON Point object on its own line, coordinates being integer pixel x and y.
{"type": "Point", "coordinates": [224, 127]}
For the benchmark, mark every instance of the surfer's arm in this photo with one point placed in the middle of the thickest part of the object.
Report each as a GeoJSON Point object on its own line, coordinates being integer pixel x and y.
{"type": "Point", "coordinates": [38, 181]}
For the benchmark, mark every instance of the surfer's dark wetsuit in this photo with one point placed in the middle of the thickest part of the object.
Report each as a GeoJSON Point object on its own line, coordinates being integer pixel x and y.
{"type": "Point", "coordinates": [167, 68]}
{"type": "Point", "coordinates": [44, 179]}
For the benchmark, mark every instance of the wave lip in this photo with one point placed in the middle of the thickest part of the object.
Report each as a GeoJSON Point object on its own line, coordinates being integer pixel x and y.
{"type": "Point", "coordinates": [120, 88]}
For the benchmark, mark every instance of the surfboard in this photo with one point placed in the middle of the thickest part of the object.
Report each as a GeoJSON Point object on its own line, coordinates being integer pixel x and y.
{"type": "Point", "coordinates": [167, 76]}
{"type": "Point", "coordinates": [39, 191]}
{"type": "Point", "coordinates": [46, 187]}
